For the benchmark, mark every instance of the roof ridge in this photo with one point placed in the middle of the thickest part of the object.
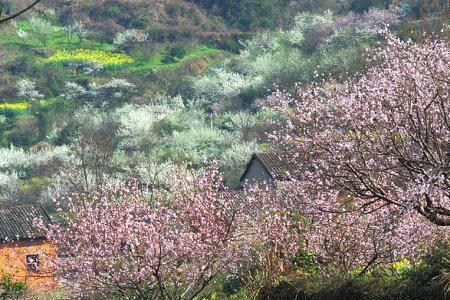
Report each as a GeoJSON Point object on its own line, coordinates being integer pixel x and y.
{"type": "Point", "coordinates": [280, 165]}
{"type": "Point", "coordinates": [20, 205]}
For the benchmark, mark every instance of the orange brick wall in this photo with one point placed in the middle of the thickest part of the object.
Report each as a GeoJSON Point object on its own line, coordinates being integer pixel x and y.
{"type": "Point", "coordinates": [12, 263]}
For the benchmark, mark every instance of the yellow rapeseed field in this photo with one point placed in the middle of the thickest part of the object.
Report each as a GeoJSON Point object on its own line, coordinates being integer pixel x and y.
{"type": "Point", "coordinates": [102, 57]}
{"type": "Point", "coordinates": [17, 106]}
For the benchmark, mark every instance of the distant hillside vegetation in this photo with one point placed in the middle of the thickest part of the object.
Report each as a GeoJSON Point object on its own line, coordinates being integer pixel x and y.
{"type": "Point", "coordinates": [165, 20]}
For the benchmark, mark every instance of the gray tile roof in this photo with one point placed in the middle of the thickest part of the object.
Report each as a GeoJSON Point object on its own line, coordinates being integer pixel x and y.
{"type": "Point", "coordinates": [281, 166]}
{"type": "Point", "coordinates": [16, 222]}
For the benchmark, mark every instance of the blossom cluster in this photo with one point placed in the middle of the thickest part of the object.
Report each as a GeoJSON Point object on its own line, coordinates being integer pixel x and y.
{"type": "Point", "coordinates": [124, 40]}
{"type": "Point", "coordinates": [27, 89]}
{"type": "Point", "coordinates": [100, 94]}
{"type": "Point", "coordinates": [374, 151]}
{"type": "Point", "coordinates": [16, 162]}
{"type": "Point", "coordinates": [284, 57]}
{"type": "Point", "coordinates": [170, 242]}
{"type": "Point", "coordinates": [173, 132]}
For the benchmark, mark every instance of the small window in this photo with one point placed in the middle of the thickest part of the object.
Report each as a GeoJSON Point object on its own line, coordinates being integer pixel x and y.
{"type": "Point", "coordinates": [32, 262]}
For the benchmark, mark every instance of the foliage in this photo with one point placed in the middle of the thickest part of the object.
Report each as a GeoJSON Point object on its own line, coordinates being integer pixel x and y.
{"type": "Point", "coordinates": [10, 289]}
{"type": "Point", "coordinates": [197, 145]}
{"type": "Point", "coordinates": [9, 186]}
{"type": "Point", "coordinates": [22, 34]}
{"type": "Point", "coordinates": [174, 54]}
{"type": "Point", "coordinates": [147, 141]}
{"type": "Point", "coordinates": [246, 14]}
{"type": "Point", "coordinates": [218, 83]}
{"type": "Point", "coordinates": [86, 66]}
{"type": "Point", "coordinates": [87, 116]}
{"type": "Point", "coordinates": [169, 130]}
{"type": "Point", "coordinates": [89, 155]}
{"type": "Point", "coordinates": [138, 121]}
{"type": "Point", "coordinates": [57, 39]}
{"type": "Point", "coordinates": [434, 272]}
{"type": "Point", "coordinates": [19, 160]}
{"type": "Point", "coordinates": [155, 62]}
{"type": "Point", "coordinates": [417, 281]}
{"type": "Point", "coordinates": [373, 151]}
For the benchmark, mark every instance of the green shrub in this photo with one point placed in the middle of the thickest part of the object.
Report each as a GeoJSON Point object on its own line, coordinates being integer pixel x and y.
{"type": "Point", "coordinates": [231, 45]}
{"type": "Point", "coordinates": [364, 5]}
{"type": "Point", "coordinates": [174, 54]}
{"type": "Point", "coordinates": [283, 291]}
{"type": "Point", "coordinates": [10, 289]}
{"type": "Point", "coordinates": [139, 22]}
{"type": "Point", "coordinates": [158, 35]}
{"type": "Point", "coordinates": [249, 95]}
{"type": "Point", "coordinates": [25, 133]}
{"type": "Point", "coordinates": [113, 11]}
{"type": "Point", "coordinates": [247, 14]}
{"type": "Point", "coordinates": [11, 113]}
{"type": "Point", "coordinates": [21, 65]}
{"type": "Point", "coordinates": [175, 10]}
{"type": "Point", "coordinates": [430, 278]}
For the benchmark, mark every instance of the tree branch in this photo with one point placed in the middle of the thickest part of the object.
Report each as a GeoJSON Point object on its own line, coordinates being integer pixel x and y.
{"type": "Point", "coordinates": [19, 13]}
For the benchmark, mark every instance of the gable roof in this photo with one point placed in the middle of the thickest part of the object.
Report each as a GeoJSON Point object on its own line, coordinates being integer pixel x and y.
{"type": "Point", "coordinates": [280, 166]}
{"type": "Point", "coordinates": [16, 222]}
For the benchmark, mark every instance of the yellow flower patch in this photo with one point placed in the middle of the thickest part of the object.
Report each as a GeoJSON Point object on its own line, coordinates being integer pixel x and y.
{"type": "Point", "coordinates": [402, 265]}
{"type": "Point", "coordinates": [102, 57]}
{"type": "Point", "coordinates": [17, 106]}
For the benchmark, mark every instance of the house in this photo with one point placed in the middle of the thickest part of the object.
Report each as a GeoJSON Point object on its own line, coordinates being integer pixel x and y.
{"type": "Point", "coordinates": [271, 167]}
{"type": "Point", "coordinates": [24, 250]}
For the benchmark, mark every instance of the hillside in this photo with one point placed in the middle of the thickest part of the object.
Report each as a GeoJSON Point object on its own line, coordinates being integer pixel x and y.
{"type": "Point", "coordinates": [123, 58]}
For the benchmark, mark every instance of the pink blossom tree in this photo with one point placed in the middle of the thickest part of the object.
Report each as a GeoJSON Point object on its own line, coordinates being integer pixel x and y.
{"type": "Point", "coordinates": [170, 244]}
{"type": "Point", "coordinates": [384, 137]}
{"type": "Point", "coordinates": [375, 154]}
{"type": "Point", "coordinates": [345, 239]}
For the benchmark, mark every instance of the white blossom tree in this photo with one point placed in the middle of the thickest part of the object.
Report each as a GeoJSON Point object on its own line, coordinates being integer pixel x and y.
{"type": "Point", "coordinates": [41, 29]}
{"type": "Point", "coordinates": [77, 29]}
{"type": "Point", "coordinates": [27, 90]}
{"type": "Point", "coordinates": [126, 39]}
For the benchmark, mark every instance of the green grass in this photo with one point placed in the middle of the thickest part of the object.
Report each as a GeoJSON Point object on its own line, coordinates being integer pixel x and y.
{"type": "Point", "coordinates": [57, 40]}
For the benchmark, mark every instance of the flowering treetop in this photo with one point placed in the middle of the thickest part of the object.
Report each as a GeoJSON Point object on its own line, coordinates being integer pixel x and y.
{"type": "Point", "coordinates": [171, 246]}
{"type": "Point", "coordinates": [383, 138]}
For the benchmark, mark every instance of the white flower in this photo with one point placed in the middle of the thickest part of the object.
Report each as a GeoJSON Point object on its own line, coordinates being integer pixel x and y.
{"type": "Point", "coordinates": [27, 89]}
{"type": "Point", "coordinates": [125, 38]}
{"type": "Point", "coordinates": [22, 34]}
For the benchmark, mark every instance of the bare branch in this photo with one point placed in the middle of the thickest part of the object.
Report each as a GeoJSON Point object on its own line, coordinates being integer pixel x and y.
{"type": "Point", "coordinates": [18, 13]}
